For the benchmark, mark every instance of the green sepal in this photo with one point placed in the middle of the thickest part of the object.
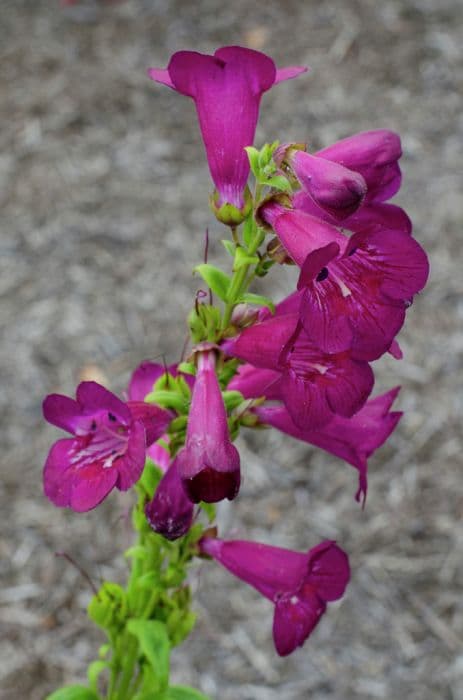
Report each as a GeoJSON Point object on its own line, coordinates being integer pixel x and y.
{"type": "Point", "coordinates": [258, 300]}
{"type": "Point", "coordinates": [232, 399]}
{"type": "Point", "coordinates": [229, 247]}
{"type": "Point", "coordinates": [279, 182]}
{"type": "Point", "coordinates": [263, 268]}
{"type": "Point", "coordinates": [253, 155]}
{"type": "Point", "coordinates": [150, 478]}
{"type": "Point", "coordinates": [93, 673]}
{"type": "Point", "coordinates": [183, 692]}
{"type": "Point", "coordinates": [108, 608]}
{"type": "Point", "coordinates": [155, 646]}
{"type": "Point", "coordinates": [242, 258]}
{"type": "Point", "coordinates": [215, 279]}
{"type": "Point", "coordinates": [73, 692]}
{"type": "Point", "coordinates": [209, 509]}
{"type": "Point", "coordinates": [168, 399]}
{"type": "Point", "coordinates": [187, 368]}
{"type": "Point", "coordinates": [179, 625]}
{"type": "Point", "coordinates": [228, 371]}
{"type": "Point", "coordinates": [178, 424]}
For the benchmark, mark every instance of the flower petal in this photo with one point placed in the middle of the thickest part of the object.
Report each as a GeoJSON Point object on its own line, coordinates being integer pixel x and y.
{"type": "Point", "coordinates": [289, 72]}
{"type": "Point", "coordinates": [294, 620]}
{"type": "Point", "coordinates": [155, 419]}
{"type": "Point", "coordinates": [130, 466]}
{"type": "Point", "coordinates": [329, 571]}
{"type": "Point", "coordinates": [61, 411]}
{"type": "Point", "coordinates": [94, 397]}
{"type": "Point", "coordinates": [143, 378]}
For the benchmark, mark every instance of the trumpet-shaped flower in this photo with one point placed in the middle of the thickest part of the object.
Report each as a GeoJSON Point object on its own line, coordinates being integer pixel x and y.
{"type": "Point", "coordinates": [227, 88]}
{"type": "Point", "coordinates": [354, 291]}
{"type": "Point", "coordinates": [353, 439]}
{"type": "Point", "coordinates": [209, 464]}
{"type": "Point", "coordinates": [314, 385]}
{"type": "Point", "coordinates": [107, 449]}
{"type": "Point", "coordinates": [299, 584]}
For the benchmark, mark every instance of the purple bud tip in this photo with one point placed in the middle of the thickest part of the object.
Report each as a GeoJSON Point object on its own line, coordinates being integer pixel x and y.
{"type": "Point", "coordinates": [212, 486]}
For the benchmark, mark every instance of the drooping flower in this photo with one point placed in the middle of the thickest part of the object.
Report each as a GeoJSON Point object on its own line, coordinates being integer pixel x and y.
{"type": "Point", "coordinates": [209, 464]}
{"type": "Point", "coordinates": [353, 439]}
{"type": "Point", "coordinates": [170, 512]}
{"type": "Point", "coordinates": [299, 584]}
{"type": "Point", "coordinates": [227, 88]}
{"type": "Point", "coordinates": [314, 385]}
{"type": "Point", "coordinates": [354, 291]}
{"type": "Point", "coordinates": [107, 449]}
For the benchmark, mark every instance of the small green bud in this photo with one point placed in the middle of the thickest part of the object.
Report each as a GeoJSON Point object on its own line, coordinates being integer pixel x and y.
{"type": "Point", "coordinates": [228, 214]}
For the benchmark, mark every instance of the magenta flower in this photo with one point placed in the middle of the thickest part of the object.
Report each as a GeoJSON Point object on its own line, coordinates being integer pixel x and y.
{"type": "Point", "coordinates": [209, 465]}
{"type": "Point", "coordinates": [108, 447]}
{"type": "Point", "coordinates": [314, 386]}
{"type": "Point", "coordinates": [299, 584]}
{"type": "Point", "coordinates": [330, 186]}
{"type": "Point", "coordinates": [170, 512]}
{"type": "Point", "coordinates": [227, 88]}
{"type": "Point", "coordinates": [374, 155]}
{"type": "Point", "coordinates": [352, 439]}
{"type": "Point", "coordinates": [354, 291]}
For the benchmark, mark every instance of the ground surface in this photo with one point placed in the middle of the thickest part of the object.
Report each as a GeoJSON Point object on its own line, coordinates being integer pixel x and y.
{"type": "Point", "coordinates": [104, 189]}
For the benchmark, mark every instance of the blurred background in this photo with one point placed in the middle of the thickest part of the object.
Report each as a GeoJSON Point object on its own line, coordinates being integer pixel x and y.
{"type": "Point", "coordinates": [104, 189]}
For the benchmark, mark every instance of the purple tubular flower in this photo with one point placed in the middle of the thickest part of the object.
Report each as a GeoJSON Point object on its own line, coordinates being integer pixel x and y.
{"type": "Point", "coordinates": [374, 155]}
{"type": "Point", "coordinates": [351, 439]}
{"type": "Point", "coordinates": [108, 447]}
{"type": "Point", "coordinates": [331, 186]}
{"type": "Point", "coordinates": [355, 291]}
{"type": "Point", "coordinates": [227, 88]}
{"type": "Point", "coordinates": [314, 386]}
{"type": "Point", "coordinates": [170, 512]}
{"type": "Point", "coordinates": [209, 464]}
{"type": "Point", "coordinates": [299, 584]}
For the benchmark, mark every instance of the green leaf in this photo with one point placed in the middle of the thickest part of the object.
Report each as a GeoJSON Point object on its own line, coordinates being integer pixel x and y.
{"type": "Point", "coordinates": [242, 258]}
{"type": "Point", "coordinates": [73, 692]}
{"type": "Point", "coordinates": [232, 399]}
{"type": "Point", "coordinates": [258, 300]}
{"type": "Point", "coordinates": [229, 247]}
{"type": "Point", "coordinates": [217, 280]}
{"type": "Point", "coordinates": [187, 368]}
{"type": "Point", "coordinates": [184, 692]}
{"type": "Point", "coordinates": [279, 182]}
{"type": "Point", "coordinates": [253, 155]}
{"type": "Point", "coordinates": [154, 642]}
{"type": "Point", "coordinates": [93, 672]}
{"type": "Point", "coordinates": [109, 607]}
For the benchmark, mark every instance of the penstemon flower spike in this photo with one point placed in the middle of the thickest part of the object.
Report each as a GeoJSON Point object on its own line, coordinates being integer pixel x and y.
{"type": "Point", "coordinates": [301, 366]}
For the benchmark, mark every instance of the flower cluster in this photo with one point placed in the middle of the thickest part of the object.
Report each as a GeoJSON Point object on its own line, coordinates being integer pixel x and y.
{"type": "Point", "coordinates": [302, 366]}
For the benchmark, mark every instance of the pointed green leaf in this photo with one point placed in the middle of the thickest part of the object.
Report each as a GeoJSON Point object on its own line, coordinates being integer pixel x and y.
{"type": "Point", "coordinates": [249, 230]}
{"type": "Point", "coordinates": [279, 182]}
{"type": "Point", "coordinates": [183, 692]}
{"type": "Point", "coordinates": [243, 258]}
{"type": "Point", "coordinates": [154, 643]}
{"type": "Point", "coordinates": [187, 368]}
{"type": "Point", "coordinates": [253, 155]}
{"type": "Point", "coordinates": [258, 300]}
{"type": "Point", "coordinates": [215, 279]}
{"type": "Point", "coordinates": [73, 692]}
{"type": "Point", "coordinates": [229, 247]}
{"type": "Point", "coordinates": [93, 672]}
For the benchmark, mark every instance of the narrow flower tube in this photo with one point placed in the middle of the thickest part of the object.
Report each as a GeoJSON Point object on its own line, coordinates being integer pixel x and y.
{"type": "Point", "coordinates": [209, 464]}
{"type": "Point", "coordinates": [108, 447]}
{"type": "Point", "coordinates": [227, 88]}
{"type": "Point", "coordinates": [170, 512]}
{"type": "Point", "coordinates": [352, 439]}
{"type": "Point", "coordinates": [299, 584]}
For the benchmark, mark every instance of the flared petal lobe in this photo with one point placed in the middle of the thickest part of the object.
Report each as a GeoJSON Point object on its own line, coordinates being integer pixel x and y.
{"type": "Point", "coordinates": [227, 88]}
{"type": "Point", "coordinates": [298, 584]}
{"type": "Point", "coordinates": [107, 449]}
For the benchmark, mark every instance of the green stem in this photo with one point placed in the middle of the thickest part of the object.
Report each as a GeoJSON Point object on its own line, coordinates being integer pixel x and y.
{"type": "Point", "coordinates": [130, 659]}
